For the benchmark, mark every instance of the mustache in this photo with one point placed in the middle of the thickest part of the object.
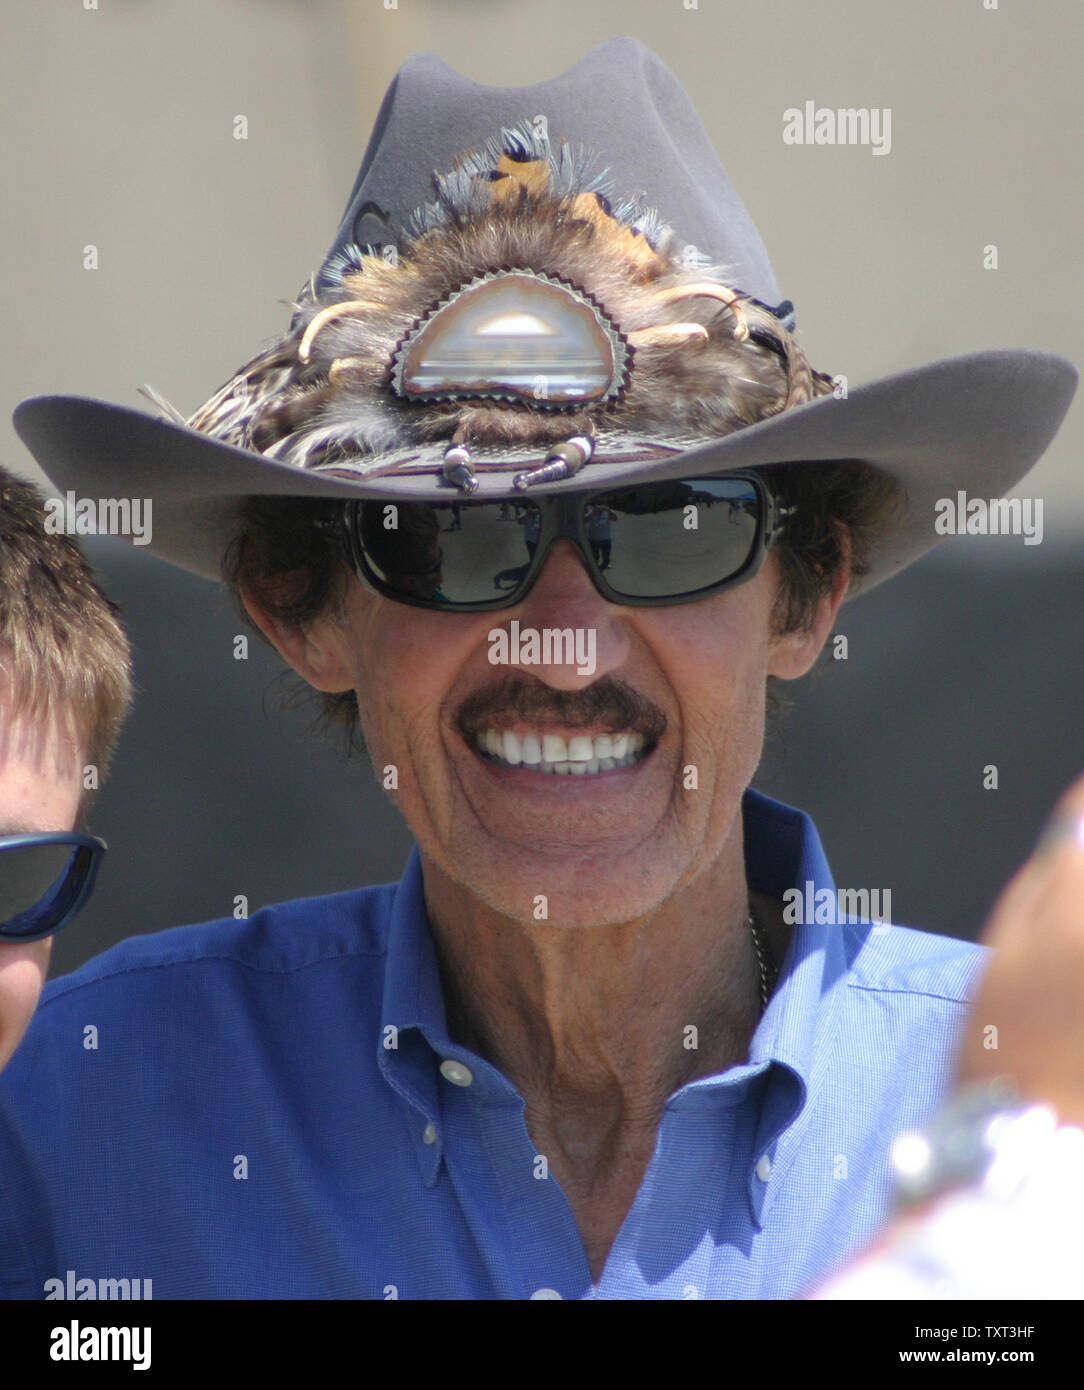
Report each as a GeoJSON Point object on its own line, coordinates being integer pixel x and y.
{"type": "Point", "coordinates": [607, 702]}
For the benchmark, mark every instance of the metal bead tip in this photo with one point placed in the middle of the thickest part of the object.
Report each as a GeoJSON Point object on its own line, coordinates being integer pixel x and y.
{"type": "Point", "coordinates": [457, 468]}
{"type": "Point", "coordinates": [563, 461]}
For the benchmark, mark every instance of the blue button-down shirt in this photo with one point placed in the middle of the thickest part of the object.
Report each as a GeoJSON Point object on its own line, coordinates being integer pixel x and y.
{"type": "Point", "coordinates": [256, 1109]}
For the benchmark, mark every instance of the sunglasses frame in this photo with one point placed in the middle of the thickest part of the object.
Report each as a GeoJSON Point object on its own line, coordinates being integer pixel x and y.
{"type": "Point", "coordinates": [562, 515]}
{"type": "Point", "coordinates": [78, 885]}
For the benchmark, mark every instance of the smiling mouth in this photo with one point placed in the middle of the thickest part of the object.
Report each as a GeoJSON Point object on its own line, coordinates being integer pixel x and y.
{"type": "Point", "coordinates": [582, 755]}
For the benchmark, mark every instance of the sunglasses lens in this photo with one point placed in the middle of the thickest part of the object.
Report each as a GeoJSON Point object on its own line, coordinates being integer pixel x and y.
{"type": "Point", "coordinates": [672, 539]}
{"type": "Point", "coordinates": [38, 883]}
{"type": "Point", "coordinates": [463, 553]}
{"type": "Point", "coordinates": [653, 541]}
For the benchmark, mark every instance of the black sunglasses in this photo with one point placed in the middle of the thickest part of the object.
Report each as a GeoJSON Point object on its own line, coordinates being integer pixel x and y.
{"type": "Point", "coordinates": [44, 880]}
{"type": "Point", "coordinates": [648, 544]}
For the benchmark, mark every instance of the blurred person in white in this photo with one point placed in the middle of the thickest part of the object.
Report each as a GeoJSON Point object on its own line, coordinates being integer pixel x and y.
{"type": "Point", "coordinates": [989, 1195]}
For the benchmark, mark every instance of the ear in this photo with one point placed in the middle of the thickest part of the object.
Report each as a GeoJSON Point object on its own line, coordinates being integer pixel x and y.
{"type": "Point", "coordinates": [795, 653]}
{"type": "Point", "coordinates": [312, 651]}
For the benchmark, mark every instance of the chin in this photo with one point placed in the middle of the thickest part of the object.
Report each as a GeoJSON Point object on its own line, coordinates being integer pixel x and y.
{"type": "Point", "coordinates": [575, 902]}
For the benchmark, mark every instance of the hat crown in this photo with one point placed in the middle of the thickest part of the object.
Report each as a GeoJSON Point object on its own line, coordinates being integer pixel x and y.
{"type": "Point", "coordinates": [620, 101]}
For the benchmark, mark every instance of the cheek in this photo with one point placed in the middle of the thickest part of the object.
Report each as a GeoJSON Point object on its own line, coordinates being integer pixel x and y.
{"type": "Point", "coordinates": [716, 658]}
{"type": "Point", "coordinates": [405, 664]}
{"type": "Point", "coordinates": [725, 733]}
{"type": "Point", "coordinates": [22, 975]}
{"type": "Point", "coordinates": [717, 652]}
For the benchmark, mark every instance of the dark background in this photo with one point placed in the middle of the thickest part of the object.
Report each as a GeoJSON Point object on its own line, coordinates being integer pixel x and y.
{"type": "Point", "coordinates": [973, 656]}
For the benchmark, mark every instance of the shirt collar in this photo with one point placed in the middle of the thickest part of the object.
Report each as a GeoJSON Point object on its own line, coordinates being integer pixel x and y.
{"type": "Point", "coordinates": [782, 851]}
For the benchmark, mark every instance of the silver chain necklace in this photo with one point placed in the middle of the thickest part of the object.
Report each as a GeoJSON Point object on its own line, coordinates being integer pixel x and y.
{"type": "Point", "coordinates": [762, 953]}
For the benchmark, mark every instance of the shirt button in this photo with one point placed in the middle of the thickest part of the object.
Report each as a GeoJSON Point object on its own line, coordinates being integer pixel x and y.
{"type": "Point", "coordinates": [545, 1293]}
{"type": "Point", "coordinates": [429, 1133]}
{"type": "Point", "coordinates": [764, 1168]}
{"type": "Point", "coordinates": [456, 1073]}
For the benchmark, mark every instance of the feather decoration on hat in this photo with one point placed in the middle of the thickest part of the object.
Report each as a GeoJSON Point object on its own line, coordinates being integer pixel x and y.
{"type": "Point", "coordinates": [691, 357]}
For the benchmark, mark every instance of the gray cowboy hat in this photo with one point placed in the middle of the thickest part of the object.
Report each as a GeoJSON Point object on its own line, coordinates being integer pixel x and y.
{"type": "Point", "coordinates": [545, 288]}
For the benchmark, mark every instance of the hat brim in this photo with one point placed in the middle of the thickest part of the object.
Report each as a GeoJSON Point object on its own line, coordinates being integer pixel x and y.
{"type": "Point", "coordinates": [975, 423]}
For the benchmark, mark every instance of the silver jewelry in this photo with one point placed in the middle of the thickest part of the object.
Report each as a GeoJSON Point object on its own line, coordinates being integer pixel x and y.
{"type": "Point", "coordinates": [457, 468]}
{"type": "Point", "coordinates": [1012, 1230]}
{"type": "Point", "coordinates": [762, 952]}
{"type": "Point", "coordinates": [512, 335]}
{"type": "Point", "coordinates": [958, 1145]}
{"type": "Point", "coordinates": [563, 461]}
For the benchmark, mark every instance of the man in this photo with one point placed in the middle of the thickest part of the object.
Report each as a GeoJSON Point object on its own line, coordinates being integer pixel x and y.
{"type": "Point", "coordinates": [65, 688]}
{"type": "Point", "coordinates": [579, 1050]}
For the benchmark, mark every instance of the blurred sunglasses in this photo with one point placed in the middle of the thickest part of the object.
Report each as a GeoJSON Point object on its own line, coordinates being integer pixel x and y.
{"type": "Point", "coordinates": [646, 545]}
{"type": "Point", "coordinates": [44, 880]}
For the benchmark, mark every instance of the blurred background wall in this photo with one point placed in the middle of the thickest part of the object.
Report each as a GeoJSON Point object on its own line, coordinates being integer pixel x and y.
{"type": "Point", "coordinates": [119, 124]}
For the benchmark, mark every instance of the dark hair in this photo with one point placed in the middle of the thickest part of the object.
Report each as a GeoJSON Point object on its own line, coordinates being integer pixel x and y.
{"type": "Point", "coordinates": [289, 556]}
{"type": "Point", "coordinates": [832, 505]}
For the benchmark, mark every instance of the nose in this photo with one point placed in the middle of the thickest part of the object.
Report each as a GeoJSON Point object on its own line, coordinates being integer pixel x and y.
{"type": "Point", "coordinates": [581, 636]}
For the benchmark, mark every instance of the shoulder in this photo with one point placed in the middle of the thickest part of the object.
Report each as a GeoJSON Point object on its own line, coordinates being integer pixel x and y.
{"type": "Point", "coordinates": [278, 940]}
{"type": "Point", "coordinates": [889, 959]}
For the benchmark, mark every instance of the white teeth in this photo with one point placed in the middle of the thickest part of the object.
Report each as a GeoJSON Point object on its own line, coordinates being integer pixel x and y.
{"type": "Point", "coordinates": [554, 749]}
{"type": "Point", "coordinates": [551, 753]}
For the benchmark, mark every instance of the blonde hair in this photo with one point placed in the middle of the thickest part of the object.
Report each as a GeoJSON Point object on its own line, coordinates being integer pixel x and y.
{"type": "Point", "coordinates": [63, 652]}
